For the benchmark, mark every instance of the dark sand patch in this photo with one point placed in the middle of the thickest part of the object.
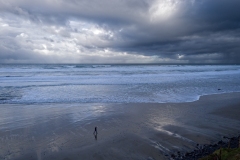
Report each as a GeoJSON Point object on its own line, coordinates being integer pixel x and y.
{"type": "Point", "coordinates": [232, 111]}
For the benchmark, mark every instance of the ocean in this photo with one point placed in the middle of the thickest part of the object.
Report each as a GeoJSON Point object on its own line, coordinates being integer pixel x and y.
{"type": "Point", "coordinates": [39, 84]}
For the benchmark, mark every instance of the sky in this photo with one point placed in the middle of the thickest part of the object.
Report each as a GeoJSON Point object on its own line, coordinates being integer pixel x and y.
{"type": "Point", "coordinates": [120, 31]}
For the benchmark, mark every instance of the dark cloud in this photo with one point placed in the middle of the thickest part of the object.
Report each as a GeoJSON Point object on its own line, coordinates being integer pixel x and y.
{"type": "Point", "coordinates": [172, 31]}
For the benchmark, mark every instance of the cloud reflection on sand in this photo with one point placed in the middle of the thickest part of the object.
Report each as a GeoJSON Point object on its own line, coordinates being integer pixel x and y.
{"type": "Point", "coordinates": [87, 113]}
{"type": "Point", "coordinates": [16, 116]}
{"type": "Point", "coordinates": [166, 115]}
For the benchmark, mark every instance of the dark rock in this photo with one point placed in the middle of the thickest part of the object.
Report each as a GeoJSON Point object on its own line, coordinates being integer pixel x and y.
{"type": "Point", "coordinates": [173, 156]}
{"type": "Point", "coordinates": [220, 142]}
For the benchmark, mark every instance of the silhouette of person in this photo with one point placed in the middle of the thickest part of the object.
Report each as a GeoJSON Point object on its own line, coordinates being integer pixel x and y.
{"type": "Point", "coordinates": [95, 133]}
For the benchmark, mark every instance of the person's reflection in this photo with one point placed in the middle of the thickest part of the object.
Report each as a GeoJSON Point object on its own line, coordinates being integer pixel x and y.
{"type": "Point", "coordinates": [95, 133]}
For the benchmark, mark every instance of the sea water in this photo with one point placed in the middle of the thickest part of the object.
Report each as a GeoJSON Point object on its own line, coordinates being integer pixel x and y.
{"type": "Point", "coordinates": [39, 84]}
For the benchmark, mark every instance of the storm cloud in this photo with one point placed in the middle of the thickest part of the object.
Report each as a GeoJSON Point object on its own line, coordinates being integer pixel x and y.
{"type": "Point", "coordinates": [120, 31]}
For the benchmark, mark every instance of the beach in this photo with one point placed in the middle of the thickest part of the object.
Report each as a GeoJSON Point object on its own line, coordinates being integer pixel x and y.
{"type": "Point", "coordinates": [125, 131]}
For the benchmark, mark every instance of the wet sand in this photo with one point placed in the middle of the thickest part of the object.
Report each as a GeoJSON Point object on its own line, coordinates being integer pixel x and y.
{"type": "Point", "coordinates": [125, 131]}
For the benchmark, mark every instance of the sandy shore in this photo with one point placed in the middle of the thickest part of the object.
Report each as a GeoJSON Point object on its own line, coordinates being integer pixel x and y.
{"type": "Point", "coordinates": [125, 131]}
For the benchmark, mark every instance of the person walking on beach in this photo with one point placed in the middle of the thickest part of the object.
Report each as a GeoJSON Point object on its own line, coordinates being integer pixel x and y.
{"type": "Point", "coordinates": [95, 131]}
